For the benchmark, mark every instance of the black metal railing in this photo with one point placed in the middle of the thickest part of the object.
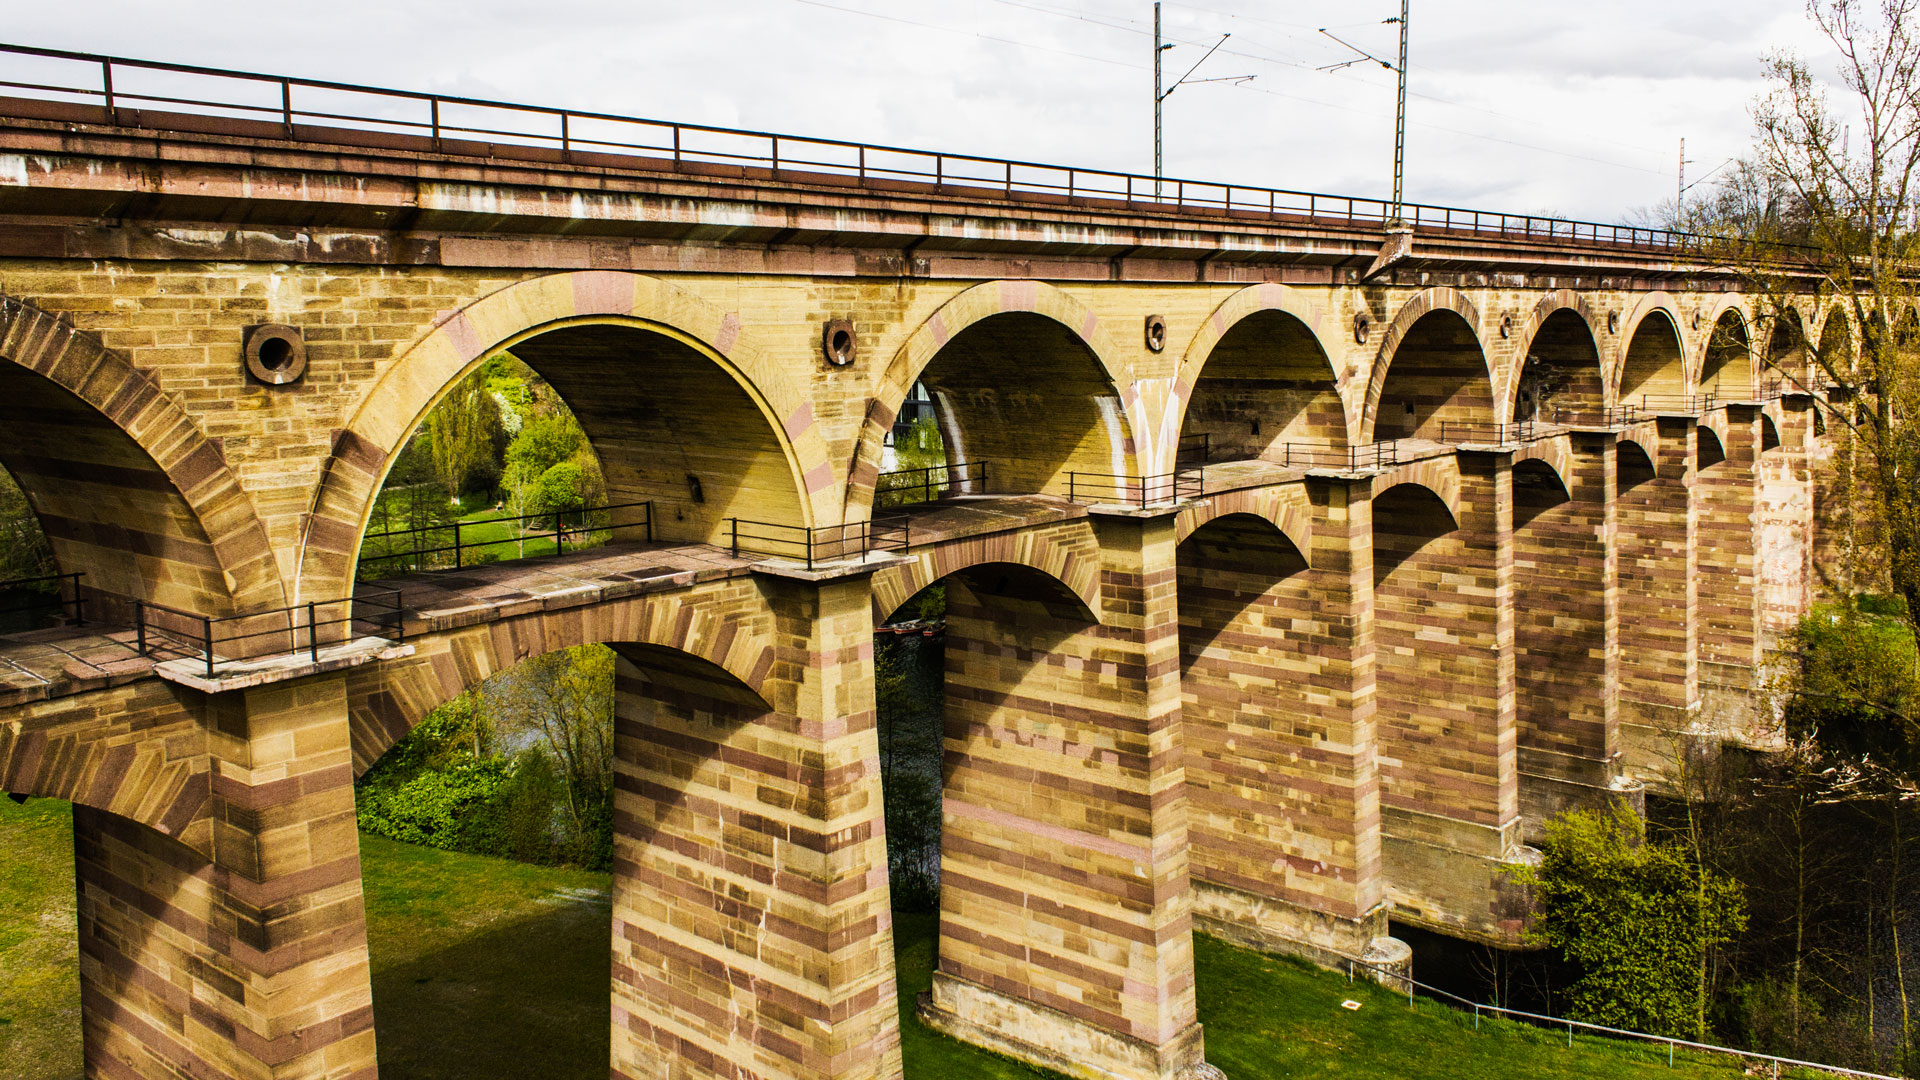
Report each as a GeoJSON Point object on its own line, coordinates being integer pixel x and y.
{"type": "Point", "coordinates": [1374, 455]}
{"type": "Point", "coordinates": [817, 544]}
{"type": "Point", "coordinates": [904, 486]}
{"type": "Point", "coordinates": [163, 633]}
{"type": "Point", "coordinates": [443, 547]}
{"type": "Point", "coordinates": [76, 87]}
{"type": "Point", "coordinates": [1599, 416]}
{"type": "Point", "coordinates": [1455, 431]}
{"type": "Point", "coordinates": [1194, 449]}
{"type": "Point", "coordinates": [1142, 491]}
{"type": "Point", "coordinates": [49, 593]}
{"type": "Point", "coordinates": [1671, 404]}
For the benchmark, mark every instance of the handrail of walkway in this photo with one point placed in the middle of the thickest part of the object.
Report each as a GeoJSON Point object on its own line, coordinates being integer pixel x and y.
{"type": "Point", "coordinates": [447, 539]}
{"type": "Point", "coordinates": [118, 91]}
{"type": "Point", "coordinates": [1141, 491]}
{"type": "Point", "coordinates": [42, 602]}
{"type": "Point", "coordinates": [164, 633]}
{"type": "Point", "coordinates": [1391, 978]}
{"type": "Point", "coordinates": [930, 483]}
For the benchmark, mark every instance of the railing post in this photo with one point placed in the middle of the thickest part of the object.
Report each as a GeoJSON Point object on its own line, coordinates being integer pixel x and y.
{"type": "Point", "coordinates": [776, 155]}
{"type": "Point", "coordinates": [286, 105]}
{"type": "Point", "coordinates": [456, 543]}
{"type": "Point", "coordinates": [434, 105]}
{"type": "Point", "coordinates": [648, 507]}
{"type": "Point", "coordinates": [106, 87]}
{"type": "Point", "coordinates": [313, 631]}
{"type": "Point", "coordinates": [206, 638]}
{"type": "Point", "coordinates": [139, 628]}
{"type": "Point", "coordinates": [566, 138]}
{"type": "Point", "coordinates": [676, 144]}
{"type": "Point", "coordinates": [735, 522]}
{"type": "Point", "coordinates": [863, 163]}
{"type": "Point", "coordinates": [559, 536]}
{"type": "Point", "coordinates": [1009, 178]}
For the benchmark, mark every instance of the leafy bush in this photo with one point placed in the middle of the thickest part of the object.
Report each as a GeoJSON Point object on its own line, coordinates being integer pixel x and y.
{"type": "Point", "coordinates": [1637, 917]}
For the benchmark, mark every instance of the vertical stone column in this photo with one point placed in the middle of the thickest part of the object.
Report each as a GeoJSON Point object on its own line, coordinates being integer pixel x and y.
{"type": "Point", "coordinates": [1785, 519]}
{"type": "Point", "coordinates": [1278, 715]}
{"type": "Point", "coordinates": [251, 965]}
{"type": "Point", "coordinates": [1450, 811]}
{"type": "Point", "coordinates": [1659, 600]}
{"type": "Point", "coordinates": [751, 928]}
{"type": "Point", "coordinates": [1065, 922]}
{"type": "Point", "coordinates": [1729, 599]}
{"type": "Point", "coordinates": [1566, 623]}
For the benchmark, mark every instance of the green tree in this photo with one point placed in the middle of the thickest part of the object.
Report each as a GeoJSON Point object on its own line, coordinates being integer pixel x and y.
{"type": "Point", "coordinates": [564, 700]}
{"type": "Point", "coordinates": [24, 552]}
{"type": "Point", "coordinates": [1639, 918]}
{"type": "Point", "coordinates": [465, 437]}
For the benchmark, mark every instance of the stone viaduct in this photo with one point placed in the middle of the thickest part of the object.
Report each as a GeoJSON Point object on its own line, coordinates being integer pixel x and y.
{"type": "Point", "coordinates": [1314, 565]}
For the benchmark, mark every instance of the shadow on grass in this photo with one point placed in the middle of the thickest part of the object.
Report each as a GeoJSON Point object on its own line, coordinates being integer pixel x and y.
{"type": "Point", "coordinates": [526, 1000]}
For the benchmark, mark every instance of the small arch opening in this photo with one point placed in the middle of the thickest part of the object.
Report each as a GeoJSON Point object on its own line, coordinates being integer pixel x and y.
{"type": "Point", "coordinates": [1437, 376]}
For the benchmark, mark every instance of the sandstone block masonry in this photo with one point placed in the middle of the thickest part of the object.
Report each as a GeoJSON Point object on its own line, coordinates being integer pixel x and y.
{"type": "Point", "coordinates": [1297, 618]}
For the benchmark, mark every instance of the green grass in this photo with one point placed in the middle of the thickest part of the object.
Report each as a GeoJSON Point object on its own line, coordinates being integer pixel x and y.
{"type": "Point", "coordinates": [485, 968]}
{"type": "Point", "coordinates": [39, 945]}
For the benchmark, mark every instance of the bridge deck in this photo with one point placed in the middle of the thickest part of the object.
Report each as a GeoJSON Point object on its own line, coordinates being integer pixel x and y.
{"type": "Point", "coordinates": [43, 664]}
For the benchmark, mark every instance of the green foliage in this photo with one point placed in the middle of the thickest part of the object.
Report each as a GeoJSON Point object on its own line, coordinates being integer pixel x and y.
{"type": "Point", "coordinates": [1854, 690]}
{"type": "Point", "coordinates": [465, 437]}
{"type": "Point", "coordinates": [544, 441]}
{"type": "Point", "coordinates": [922, 447]}
{"type": "Point", "coordinates": [24, 552]}
{"type": "Point", "coordinates": [1637, 917]}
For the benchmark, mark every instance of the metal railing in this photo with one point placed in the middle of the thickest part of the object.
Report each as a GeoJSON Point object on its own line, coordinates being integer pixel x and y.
{"type": "Point", "coordinates": [1396, 980]}
{"type": "Point", "coordinates": [1670, 404]}
{"type": "Point", "coordinates": [1373, 455]}
{"type": "Point", "coordinates": [1141, 491]}
{"type": "Point", "coordinates": [442, 547]}
{"type": "Point", "coordinates": [41, 599]}
{"type": "Point", "coordinates": [158, 96]}
{"type": "Point", "coordinates": [817, 544]}
{"type": "Point", "coordinates": [901, 486]}
{"type": "Point", "coordinates": [1194, 449]}
{"type": "Point", "coordinates": [1518, 431]}
{"type": "Point", "coordinates": [162, 633]}
{"type": "Point", "coordinates": [1599, 416]}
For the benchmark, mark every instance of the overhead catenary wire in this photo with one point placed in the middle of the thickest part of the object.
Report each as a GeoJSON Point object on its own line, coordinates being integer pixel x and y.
{"type": "Point", "coordinates": [1115, 62]}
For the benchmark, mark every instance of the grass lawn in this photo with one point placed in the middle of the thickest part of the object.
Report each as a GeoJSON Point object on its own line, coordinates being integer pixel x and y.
{"type": "Point", "coordinates": [485, 968]}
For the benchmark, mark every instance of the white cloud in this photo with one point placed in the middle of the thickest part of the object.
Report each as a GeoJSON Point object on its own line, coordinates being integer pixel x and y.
{"type": "Point", "coordinates": [1561, 108]}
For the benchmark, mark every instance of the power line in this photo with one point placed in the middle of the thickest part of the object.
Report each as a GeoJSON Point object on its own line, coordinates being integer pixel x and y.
{"type": "Point", "coordinates": [1112, 62]}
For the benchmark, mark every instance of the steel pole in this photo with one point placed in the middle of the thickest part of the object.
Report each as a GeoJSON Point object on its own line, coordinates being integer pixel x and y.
{"type": "Point", "coordinates": [1400, 118]}
{"type": "Point", "coordinates": [1157, 50]}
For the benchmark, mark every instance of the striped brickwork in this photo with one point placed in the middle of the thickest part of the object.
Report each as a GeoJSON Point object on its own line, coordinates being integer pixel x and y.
{"type": "Point", "coordinates": [1729, 597]}
{"type": "Point", "coordinates": [251, 965]}
{"type": "Point", "coordinates": [1444, 638]}
{"type": "Point", "coordinates": [1566, 626]}
{"type": "Point", "coordinates": [1659, 590]}
{"type": "Point", "coordinates": [751, 929]}
{"type": "Point", "coordinates": [1277, 715]}
{"type": "Point", "coordinates": [1065, 923]}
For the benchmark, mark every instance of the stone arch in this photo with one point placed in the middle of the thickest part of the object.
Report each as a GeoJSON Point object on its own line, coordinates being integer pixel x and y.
{"type": "Point", "coordinates": [1285, 508]}
{"type": "Point", "coordinates": [1538, 486]}
{"type": "Point", "coordinates": [967, 311]}
{"type": "Point", "coordinates": [1726, 353]}
{"type": "Point", "coordinates": [385, 701]}
{"type": "Point", "coordinates": [1769, 433]}
{"type": "Point", "coordinates": [153, 771]}
{"type": "Point", "coordinates": [127, 487]}
{"type": "Point", "coordinates": [1241, 314]}
{"type": "Point", "coordinates": [1635, 464]}
{"type": "Point", "coordinates": [1555, 455]}
{"type": "Point", "coordinates": [1786, 346]}
{"type": "Point", "coordinates": [1837, 349]}
{"type": "Point", "coordinates": [1440, 476]}
{"type": "Point", "coordinates": [1564, 348]}
{"type": "Point", "coordinates": [1711, 442]}
{"type": "Point", "coordinates": [1068, 558]}
{"type": "Point", "coordinates": [365, 447]}
{"type": "Point", "coordinates": [1651, 353]}
{"type": "Point", "coordinates": [1450, 315]}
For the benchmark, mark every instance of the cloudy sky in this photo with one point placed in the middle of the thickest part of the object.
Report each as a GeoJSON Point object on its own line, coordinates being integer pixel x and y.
{"type": "Point", "coordinates": [1574, 108]}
